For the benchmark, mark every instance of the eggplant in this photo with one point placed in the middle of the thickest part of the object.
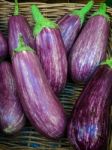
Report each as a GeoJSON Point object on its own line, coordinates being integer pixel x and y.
{"type": "Point", "coordinates": [12, 118]}
{"type": "Point", "coordinates": [39, 102]}
{"type": "Point", "coordinates": [88, 128]}
{"type": "Point", "coordinates": [51, 50]}
{"type": "Point", "coordinates": [17, 25]}
{"type": "Point", "coordinates": [3, 47]}
{"type": "Point", "coordinates": [90, 47]}
{"type": "Point", "coordinates": [70, 25]}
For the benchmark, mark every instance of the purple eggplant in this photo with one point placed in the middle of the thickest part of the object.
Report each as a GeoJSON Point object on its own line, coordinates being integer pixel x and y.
{"type": "Point", "coordinates": [12, 118]}
{"type": "Point", "coordinates": [90, 47]}
{"type": "Point", "coordinates": [3, 47]}
{"type": "Point", "coordinates": [88, 128]}
{"type": "Point", "coordinates": [71, 24]}
{"type": "Point", "coordinates": [51, 51]}
{"type": "Point", "coordinates": [19, 25]}
{"type": "Point", "coordinates": [39, 102]}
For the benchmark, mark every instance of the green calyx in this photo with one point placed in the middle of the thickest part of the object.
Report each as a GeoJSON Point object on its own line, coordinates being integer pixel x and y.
{"type": "Point", "coordinates": [16, 11]}
{"type": "Point", "coordinates": [41, 21]}
{"type": "Point", "coordinates": [107, 62]}
{"type": "Point", "coordinates": [22, 46]}
{"type": "Point", "coordinates": [102, 11]}
{"type": "Point", "coordinates": [81, 13]}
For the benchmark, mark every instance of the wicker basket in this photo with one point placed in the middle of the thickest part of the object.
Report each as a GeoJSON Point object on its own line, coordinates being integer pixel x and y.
{"type": "Point", "coordinates": [28, 138]}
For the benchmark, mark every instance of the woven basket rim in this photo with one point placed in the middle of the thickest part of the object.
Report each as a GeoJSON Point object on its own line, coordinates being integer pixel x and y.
{"type": "Point", "coordinates": [80, 4]}
{"type": "Point", "coordinates": [109, 9]}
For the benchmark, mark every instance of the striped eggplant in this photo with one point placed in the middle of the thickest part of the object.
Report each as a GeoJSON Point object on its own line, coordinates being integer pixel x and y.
{"type": "Point", "coordinates": [18, 24]}
{"type": "Point", "coordinates": [12, 118]}
{"type": "Point", "coordinates": [88, 128]}
{"type": "Point", "coordinates": [71, 24]}
{"type": "Point", "coordinates": [3, 47]}
{"type": "Point", "coordinates": [39, 102]}
{"type": "Point", "coordinates": [90, 47]}
{"type": "Point", "coordinates": [50, 49]}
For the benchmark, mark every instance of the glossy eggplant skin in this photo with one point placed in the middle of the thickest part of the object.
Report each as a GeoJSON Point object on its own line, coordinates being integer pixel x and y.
{"type": "Point", "coordinates": [51, 51]}
{"type": "Point", "coordinates": [3, 47]}
{"type": "Point", "coordinates": [39, 102]}
{"type": "Point", "coordinates": [18, 25]}
{"type": "Point", "coordinates": [88, 128]}
{"type": "Point", "coordinates": [12, 118]}
{"type": "Point", "coordinates": [89, 49]}
{"type": "Point", "coordinates": [69, 25]}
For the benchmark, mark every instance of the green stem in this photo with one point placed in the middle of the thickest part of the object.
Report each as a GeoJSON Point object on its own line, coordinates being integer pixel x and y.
{"type": "Point", "coordinates": [37, 15]}
{"type": "Point", "coordinates": [16, 11]}
{"type": "Point", "coordinates": [41, 21]}
{"type": "Point", "coordinates": [107, 62]}
{"type": "Point", "coordinates": [81, 13]}
{"type": "Point", "coordinates": [22, 46]}
{"type": "Point", "coordinates": [102, 11]}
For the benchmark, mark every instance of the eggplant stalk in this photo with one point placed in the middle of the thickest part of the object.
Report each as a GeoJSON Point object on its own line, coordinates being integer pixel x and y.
{"type": "Point", "coordinates": [102, 11]}
{"type": "Point", "coordinates": [81, 13]}
{"type": "Point", "coordinates": [16, 11]}
{"type": "Point", "coordinates": [22, 46]}
{"type": "Point", "coordinates": [41, 21]}
{"type": "Point", "coordinates": [107, 62]}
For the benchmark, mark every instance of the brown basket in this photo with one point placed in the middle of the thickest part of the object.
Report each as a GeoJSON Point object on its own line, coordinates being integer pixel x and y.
{"type": "Point", "coordinates": [28, 138]}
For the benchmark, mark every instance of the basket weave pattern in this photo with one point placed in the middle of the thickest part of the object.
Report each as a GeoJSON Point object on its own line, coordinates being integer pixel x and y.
{"type": "Point", "coordinates": [28, 138]}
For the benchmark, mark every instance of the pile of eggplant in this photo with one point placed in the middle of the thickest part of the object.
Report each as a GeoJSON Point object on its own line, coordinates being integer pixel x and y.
{"type": "Point", "coordinates": [36, 64]}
